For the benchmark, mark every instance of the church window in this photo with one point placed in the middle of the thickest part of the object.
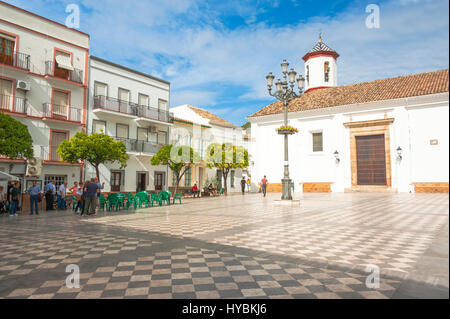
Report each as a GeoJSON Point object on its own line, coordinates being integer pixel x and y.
{"type": "Point", "coordinates": [327, 71]}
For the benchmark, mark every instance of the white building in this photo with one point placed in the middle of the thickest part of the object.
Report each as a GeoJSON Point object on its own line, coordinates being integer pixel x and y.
{"type": "Point", "coordinates": [199, 128]}
{"type": "Point", "coordinates": [385, 135]}
{"type": "Point", "coordinates": [132, 107]}
{"type": "Point", "coordinates": [43, 84]}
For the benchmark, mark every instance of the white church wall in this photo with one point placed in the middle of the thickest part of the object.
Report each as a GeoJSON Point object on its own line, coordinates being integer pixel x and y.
{"type": "Point", "coordinates": [316, 72]}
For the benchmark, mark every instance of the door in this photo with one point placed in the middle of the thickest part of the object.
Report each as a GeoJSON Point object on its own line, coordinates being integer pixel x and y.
{"type": "Point", "coordinates": [159, 181]}
{"type": "Point", "coordinates": [200, 178]}
{"type": "Point", "coordinates": [116, 178]}
{"type": "Point", "coordinates": [60, 105]}
{"type": "Point", "coordinates": [7, 51]}
{"type": "Point", "coordinates": [124, 99]}
{"type": "Point", "coordinates": [6, 97]}
{"type": "Point", "coordinates": [57, 138]}
{"type": "Point", "coordinates": [371, 160]}
{"type": "Point", "coordinates": [61, 72]}
{"type": "Point", "coordinates": [141, 182]}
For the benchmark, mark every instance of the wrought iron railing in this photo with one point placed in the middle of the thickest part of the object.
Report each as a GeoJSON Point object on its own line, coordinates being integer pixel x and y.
{"type": "Point", "coordinates": [50, 153]}
{"type": "Point", "coordinates": [75, 76]}
{"type": "Point", "coordinates": [62, 112]}
{"type": "Point", "coordinates": [130, 108]}
{"type": "Point", "coordinates": [16, 59]}
{"type": "Point", "coordinates": [137, 146]}
{"type": "Point", "coordinates": [11, 104]}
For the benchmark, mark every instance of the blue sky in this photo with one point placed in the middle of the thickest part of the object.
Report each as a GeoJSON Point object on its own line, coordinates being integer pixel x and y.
{"type": "Point", "coordinates": [217, 53]}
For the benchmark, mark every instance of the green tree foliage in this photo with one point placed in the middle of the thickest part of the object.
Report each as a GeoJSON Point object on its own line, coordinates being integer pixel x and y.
{"type": "Point", "coordinates": [15, 140]}
{"type": "Point", "coordinates": [96, 149]}
{"type": "Point", "coordinates": [178, 158]}
{"type": "Point", "coordinates": [225, 157]}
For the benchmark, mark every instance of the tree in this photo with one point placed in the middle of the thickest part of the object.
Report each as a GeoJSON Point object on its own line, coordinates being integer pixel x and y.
{"type": "Point", "coordinates": [96, 149]}
{"type": "Point", "coordinates": [15, 140]}
{"type": "Point", "coordinates": [178, 158]}
{"type": "Point", "coordinates": [225, 157]}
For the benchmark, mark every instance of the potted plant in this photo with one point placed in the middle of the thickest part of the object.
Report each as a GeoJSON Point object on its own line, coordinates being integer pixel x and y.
{"type": "Point", "coordinates": [283, 130]}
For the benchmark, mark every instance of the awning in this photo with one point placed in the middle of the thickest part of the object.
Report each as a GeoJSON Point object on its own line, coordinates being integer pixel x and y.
{"type": "Point", "coordinates": [63, 62]}
{"type": "Point", "coordinates": [6, 177]}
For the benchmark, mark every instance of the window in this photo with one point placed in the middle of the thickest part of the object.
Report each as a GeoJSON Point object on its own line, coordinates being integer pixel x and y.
{"type": "Point", "coordinates": [7, 44]}
{"type": "Point", "coordinates": [188, 140]}
{"type": "Point", "coordinates": [162, 137]}
{"type": "Point", "coordinates": [162, 105]}
{"type": "Point", "coordinates": [143, 100]}
{"type": "Point", "coordinates": [59, 179]}
{"type": "Point", "coordinates": [307, 75]}
{"type": "Point", "coordinates": [174, 179]}
{"type": "Point", "coordinates": [98, 126]}
{"type": "Point", "coordinates": [188, 177]}
{"type": "Point", "coordinates": [326, 68]}
{"type": "Point", "coordinates": [60, 105]}
{"type": "Point", "coordinates": [122, 131]}
{"type": "Point", "coordinates": [317, 142]}
{"type": "Point", "coordinates": [142, 134]}
{"type": "Point", "coordinates": [6, 94]}
{"type": "Point", "coordinates": [154, 138]}
{"type": "Point", "coordinates": [63, 64]}
{"type": "Point", "coordinates": [100, 89]}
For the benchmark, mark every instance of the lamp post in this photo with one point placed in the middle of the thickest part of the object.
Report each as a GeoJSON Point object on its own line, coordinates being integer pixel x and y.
{"type": "Point", "coordinates": [284, 92]}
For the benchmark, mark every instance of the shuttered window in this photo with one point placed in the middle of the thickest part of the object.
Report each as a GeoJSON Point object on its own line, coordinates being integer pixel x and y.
{"type": "Point", "coordinates": [317, 142]}
{"type": "Point", "coordinates": [98, 126]}
{"type": "Point", "coordinates": [122, 131]}
{"type": "Point", "coordinates": [188, 177]}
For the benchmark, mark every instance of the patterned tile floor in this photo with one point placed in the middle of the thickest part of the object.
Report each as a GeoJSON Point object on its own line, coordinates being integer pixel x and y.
{"type": "Point", "coordinates": [235, 247]}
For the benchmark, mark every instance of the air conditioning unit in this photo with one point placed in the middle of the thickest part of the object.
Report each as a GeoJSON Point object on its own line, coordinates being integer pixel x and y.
{"type": "Point", "coordinates": [26, 86]}
{"type": "Point", "coordinates": [34, 167]}
{"type": "Point", "coordinates": [153, 129]}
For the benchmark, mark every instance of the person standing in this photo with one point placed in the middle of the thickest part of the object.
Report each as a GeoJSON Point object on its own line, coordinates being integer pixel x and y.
{"type": "Point", "coordinates": [100, 187]}
{"type": "Point", "coordinates": [62, 196]}
{"type": "Point", "coordinates": [248, 184]}
{"type": "Point", "coordinates": [264, 185]}
{"type": "Point", "coordinates": [34, 192]}
{"type": "Point", "coordinates": [50, 191]}
{"type": "Point", "coordinates": [14, 200]}
{"type": "Point", "coordinates": [78, 195]}
{"type": "Point", "coordinates": [243, 185]}
{"type": "Point", "coordinates": [92, 190]}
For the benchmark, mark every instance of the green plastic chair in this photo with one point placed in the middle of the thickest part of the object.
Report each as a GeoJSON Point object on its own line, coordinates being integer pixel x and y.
{"type": "Point", "coordinates": [157, 198]}
{"type": "Point", "coordinates": [165, 197]}
{"type": "Point", "coordinates": [142, 198]}
{"type": "Point", "coordinates": [132, 200]}
{"type": "Point", "coordinates": [114, 202]}
{"type": "Point", "coordinates": [176, 196]}
{"type": "Point", "coordinates": [102, 202]}
{"type": "Point", "coordinates": [222, 190]}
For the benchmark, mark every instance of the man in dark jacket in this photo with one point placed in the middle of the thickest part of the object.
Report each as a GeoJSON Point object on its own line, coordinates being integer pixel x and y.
{"type": "Point", "coordinates": [243, 182]}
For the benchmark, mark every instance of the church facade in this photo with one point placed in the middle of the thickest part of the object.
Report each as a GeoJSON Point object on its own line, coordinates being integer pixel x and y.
{"type": "Point", "coordinates": [388, 135]}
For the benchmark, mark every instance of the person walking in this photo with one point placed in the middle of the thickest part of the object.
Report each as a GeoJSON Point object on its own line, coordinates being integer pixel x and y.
{"type": "Point", "coordinates": [14, 200]}
{"type": "Point", "coordinates": [92, 190]}
{"type": "Point", "coordinates": [243, 182]}
{"type": "Point", "coordinates": [78, 195]}
{"type": "Point", "coordinates": [62, 196]}
{"type": "Point", "coordinates": [264, 185]}
{"type": "Point", "coordinates": [249, 183]}
{"type": "Point", "coordinates": [34, 192]}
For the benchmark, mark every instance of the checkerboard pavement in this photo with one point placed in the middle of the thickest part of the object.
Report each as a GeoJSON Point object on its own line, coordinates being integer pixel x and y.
{"type": "Point", "coordinates": [242, 248]}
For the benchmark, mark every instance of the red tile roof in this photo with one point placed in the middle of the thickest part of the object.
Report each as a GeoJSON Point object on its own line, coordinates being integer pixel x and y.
{"type": "Point", "coordinates": [385, 89]}
{"type": "Point", "coordinates": [214, 119]}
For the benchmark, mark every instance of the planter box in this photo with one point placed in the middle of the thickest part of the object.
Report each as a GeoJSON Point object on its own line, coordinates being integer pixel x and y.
{"type": "Point", "coordinates": [286, 132]}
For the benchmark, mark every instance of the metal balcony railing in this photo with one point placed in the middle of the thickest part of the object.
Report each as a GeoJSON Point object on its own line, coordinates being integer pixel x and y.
{"type": "Point", "coordinates": [62, 112]}
{"type": "Point", "coordinates": [50, 153]}
{"type": "Point", "coordinates": [75, 76]}
{"type": "Point", "coordinates": [130, 108]}
{"type": "Point", "coordinates": [137, 146]}
{"type": "Point", "coordinates": [20, 104]}
{"type": "Point", "coordinates": [16, 59]}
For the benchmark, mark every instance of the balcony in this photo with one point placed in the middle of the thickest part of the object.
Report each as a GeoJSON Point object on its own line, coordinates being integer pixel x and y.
{"type": "Point", "coordinates": [16, 59]}
{"type": "Point", "coordinates": [102, 102]}
{"type": "Point", "coordinates": [62, 112]}
{"type": "Point", "coordinates": [20, 105]}
{"type": "Point", "coordinates": [136, 146]}
{"type": "Point", "coordinates": [50, 153]}
{"type": "Point", "coordinates": [75, 76]}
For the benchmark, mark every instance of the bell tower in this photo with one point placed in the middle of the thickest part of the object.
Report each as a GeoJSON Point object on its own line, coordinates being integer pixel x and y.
{"type": "Point", "coordinates": [320, 67]}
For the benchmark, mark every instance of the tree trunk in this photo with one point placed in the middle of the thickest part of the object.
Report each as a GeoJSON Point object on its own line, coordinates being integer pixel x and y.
{"type": "Point", "coordinates": [97, 172]}
{"type": "Point", "coordinates": [225, 172]}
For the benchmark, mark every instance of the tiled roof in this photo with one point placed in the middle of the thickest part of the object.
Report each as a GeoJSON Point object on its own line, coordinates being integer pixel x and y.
{"type": "Point", "coordinates": [320, 46]}
{"type": "Point", "coordinates": [385, 89]}
{"type": "Point", "coordinates": [213, 119]}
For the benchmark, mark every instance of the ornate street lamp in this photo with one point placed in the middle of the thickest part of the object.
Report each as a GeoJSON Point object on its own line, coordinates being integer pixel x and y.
{"type": "Point", "coordinates": [284, 92]}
